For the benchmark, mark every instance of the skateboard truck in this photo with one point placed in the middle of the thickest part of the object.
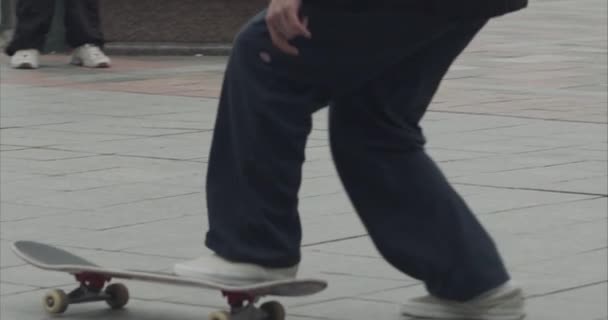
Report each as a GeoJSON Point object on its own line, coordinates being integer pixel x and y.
{"type": "Point", "coordinates": [242, 307]}
{"type": "Point", "coordinates": [91, 289]}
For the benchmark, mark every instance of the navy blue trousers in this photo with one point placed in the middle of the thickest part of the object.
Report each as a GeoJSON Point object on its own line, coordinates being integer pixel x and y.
{"type": "Point", "coordinates": [377, 72]}
{"type": "Point", "coordinates": [34, 19]}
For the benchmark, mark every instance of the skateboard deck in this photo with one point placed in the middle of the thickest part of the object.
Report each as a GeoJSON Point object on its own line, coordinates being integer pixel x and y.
{"type": "Point", "coordinates": [93, 279]}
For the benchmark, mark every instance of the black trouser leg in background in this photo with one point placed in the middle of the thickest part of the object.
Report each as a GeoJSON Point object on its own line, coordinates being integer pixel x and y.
{"type": "Point", "coordinates": [82, 23]}
{"type": "Point", "coordinates": [34, 18]}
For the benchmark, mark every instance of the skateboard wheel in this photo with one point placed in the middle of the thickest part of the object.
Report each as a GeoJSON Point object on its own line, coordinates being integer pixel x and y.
{"type": "Point", "coordinates": [118, 295]}
{"type": "Point", "coordinates": [274, 309]}
{"type": "Point", "coordinates": [219, 315]}
{"type": "Point", "coordinates": [55, 301]}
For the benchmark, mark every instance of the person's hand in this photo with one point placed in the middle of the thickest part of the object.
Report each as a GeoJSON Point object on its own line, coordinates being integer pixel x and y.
{"type": "Point", "coordinates": [284, 24]}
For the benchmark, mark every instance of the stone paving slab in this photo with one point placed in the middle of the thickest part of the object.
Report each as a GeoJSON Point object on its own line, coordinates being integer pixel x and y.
{"type": "Point", "coordinates": [111, 164]}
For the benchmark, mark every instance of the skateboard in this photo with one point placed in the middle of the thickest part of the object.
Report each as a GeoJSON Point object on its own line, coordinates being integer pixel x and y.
{"type": "Point", "coordinates": [94, 285]}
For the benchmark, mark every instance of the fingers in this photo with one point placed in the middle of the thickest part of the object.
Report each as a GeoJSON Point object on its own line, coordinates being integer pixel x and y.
{"type": "Point", "coordinates": [285, 24]}
{"type": "Point", "coordinates": [282, 43]}
{"type": "Point", "coordinates": [295, 25]}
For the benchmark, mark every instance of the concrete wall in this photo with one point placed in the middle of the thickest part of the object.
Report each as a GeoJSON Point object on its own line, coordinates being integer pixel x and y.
{"type": "Point", "coordinates": [7, 16]}
{"type": "Point", "coordinates": [176, 21]}
{"type": "Point", "coordinates": [7, 21]}
{"type": "Point", "coordinates": [159, 26]}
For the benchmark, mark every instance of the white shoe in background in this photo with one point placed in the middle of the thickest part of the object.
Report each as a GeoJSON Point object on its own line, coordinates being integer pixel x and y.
{"type": "Point", "coordinates": [90, 56]}
{"type": "Point", "coordinates": [25, 59]}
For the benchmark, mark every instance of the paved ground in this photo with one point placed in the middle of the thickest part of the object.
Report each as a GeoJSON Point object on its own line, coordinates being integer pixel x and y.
{"type": "Point", "coordinates": [110, 164]}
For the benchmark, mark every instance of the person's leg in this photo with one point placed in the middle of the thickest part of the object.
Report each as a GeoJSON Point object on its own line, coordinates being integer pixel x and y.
{"type": "Point", "coordinates": [34, 19]}
{"type": "Point", "coordinates": [82, 23]}
{"type": "Point", "coordinates": [84, 33]}
{"type": "Point", "coordinates": [255, 161]}
{"type": "Point", "coordinates": [417, 220]}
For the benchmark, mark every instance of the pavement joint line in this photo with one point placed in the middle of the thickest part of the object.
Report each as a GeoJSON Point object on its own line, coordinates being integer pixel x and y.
{"type": "Point", "coordinates": [95, 188]}
{"type": "Point", "coordinates": [518, 117]}
{"type": "Point", "coordinates": [549, 149]}
{"type": "Point", "coordinates": [125, 135]}
{"type": "Point", "coordinates": [318, 146]}
{"type": "Point", "coordinates": [490, 156]}
{"type": "Point", "coordinates": [480, 154]}
{"type": "Point", "coordinates": [539, 167]}
{"type": "Point", "coordinates": [150, 199]}
{"type": "Point", "coordinates": [14, 266]}
{"type": "Point", "coordinates": [550, 293]}
{"type": "Point", "coordinates": [591, 251]}
{"type": "Point", "coordinates": [52, 148]}
{"type": "Point", "coordinates": [57, 159]}
{"type": "Point", "coordinates": [410, 285]}
{"type": "Point", "coordinates": [582, 178]}
{"type": "Point", "coordinates": [492, 102]}
{"type": "Point", "coordinates": [60, 214]}
{"type": "Point", "coordinates": [19, 284]}
{"type": "Point", "coordinates": [189, 131]}
{"type": "Point", "coordinates": [331, 214]}
{"type": "Point", "coordinates": [79, 172]}
{"type": "Point", "coordinates": [359, 276]}
{"type": "Point", "coordinates": [594, 250]}
{"type": "Point", "coordinates": [326, 252]}
{"type": "Point", "coordinates": [493, 128]}
{"type": "Point", "coordinates": [19, 149]}
{"type": "Point", "coordinates": [522, 265]}
{"type": "Point", "coordinates": [178, 128]}
{"type": "Point", "coordinates": [151, 157]}
{"type": "Point", "coordinates": [312, 244]}
{"type": "Point", "coordinates": [125, 251]}
{"type": "Point", "coordinates": [315, 302]}
{"type": "Point", "coordinates": [538, 206]}
{"type": "Point", "coordinates": [332, 299]}
{"type": "Point", "coordinates": [142, 137]}
{"type": "Point", "coordinates": [359, 298]}
{"type": "Point", "coordinates": [33, 289]}
{"type": "Point", "coordinates": [322, 194]}
{"type": "Point", "coordinates": [558, 92]}
{"type": "Point", "coordinates": [112, 154]}
{"type": "Point", "coordinates": [179, 303]}
{"type": "Point", "coordinates": [39, 206]}
{"type": "Point", "coordinates": [36, 125]}
{"type": "Point", "coordinates": [592, 194]}
{"type": "Point", "coordinates": [137, 116]}
{"type": "Point", "coordinates": [133, 224]}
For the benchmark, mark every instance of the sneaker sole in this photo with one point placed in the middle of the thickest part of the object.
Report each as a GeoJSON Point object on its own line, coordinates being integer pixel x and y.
{"type": "Point", "coordinates": [25, 66]}
{"type": "Point", "coordinates": [444, 316]}
{"type": "Point", "coordinates": [98, 66]}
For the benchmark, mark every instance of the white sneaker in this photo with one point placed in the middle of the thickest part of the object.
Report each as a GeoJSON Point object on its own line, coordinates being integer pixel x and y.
{"type": "Point", "coordinates": [25, 59]}
{"type": "Point", "coordinates": [218, 269]}
{"type": "Point", "coordinates": [90, 56]}
{"type": "Point", "coordinates": [503, 303]}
